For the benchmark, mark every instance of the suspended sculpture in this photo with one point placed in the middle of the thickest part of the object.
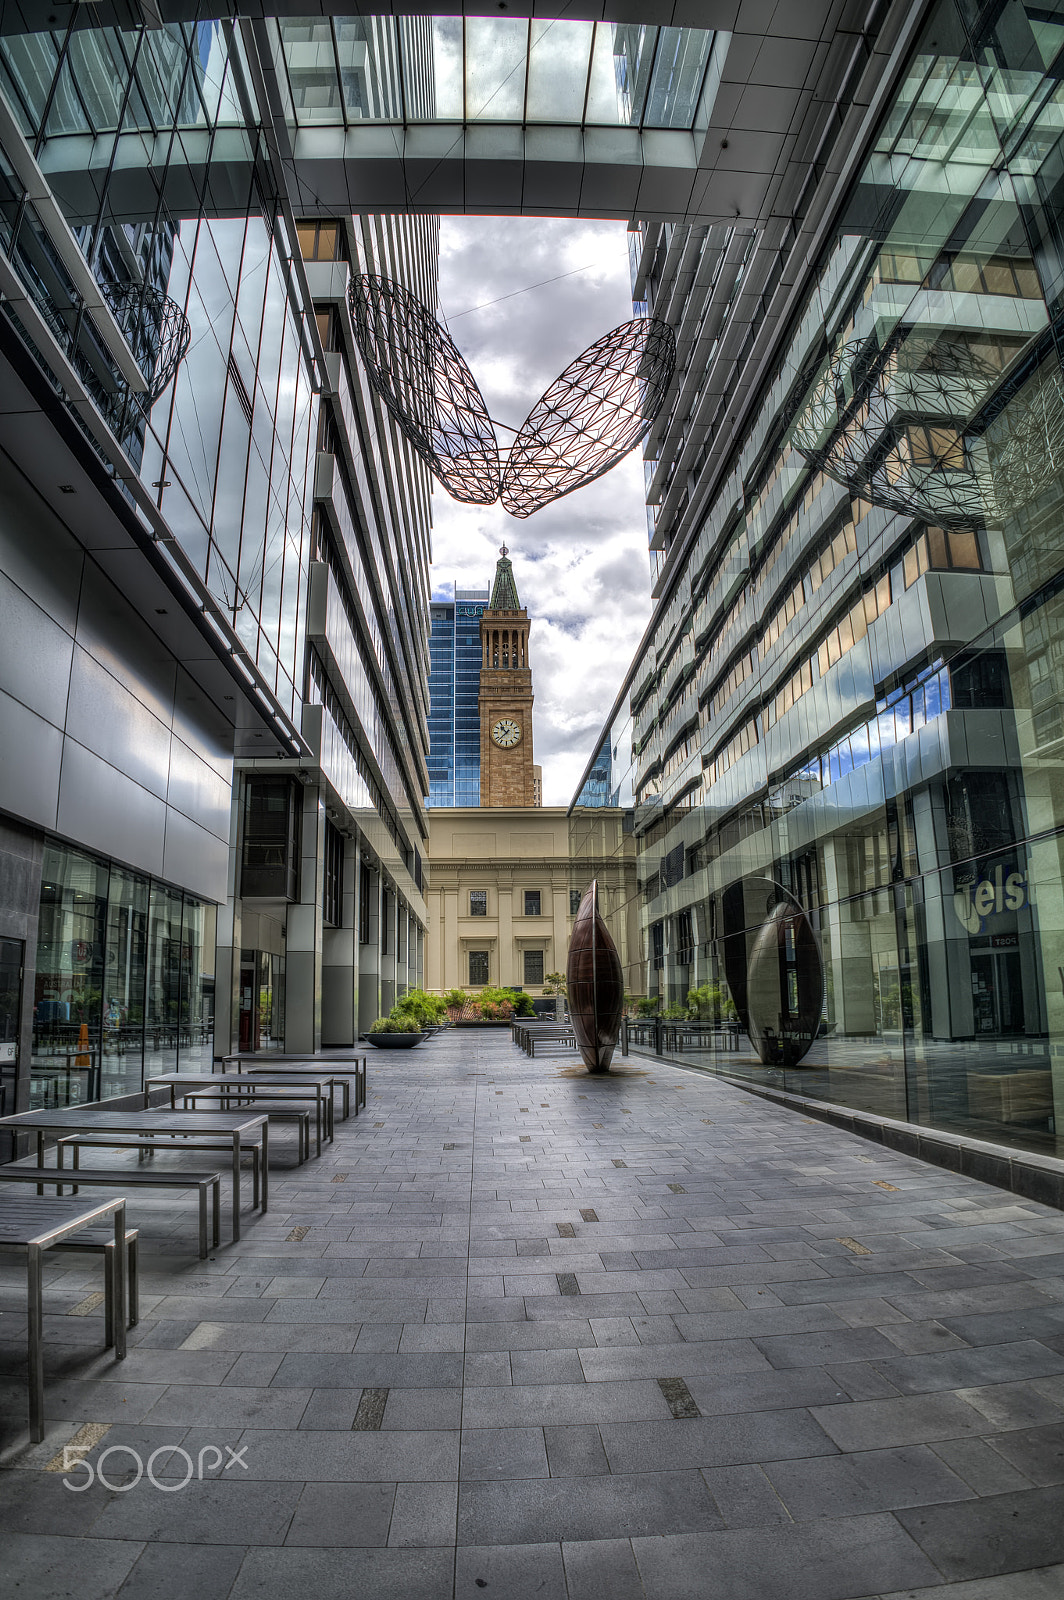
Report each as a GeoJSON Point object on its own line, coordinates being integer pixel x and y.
{"type": "Point", "coordinates": [601, 406]}
{"type": "Point", "coordinates": [422, 377]}
{"type": "Point", "coordinates": [923, 425]}
{"type": "Point", "coordinates": [156, 330]}
{"type": "Point", "coordinates": [595, 985]}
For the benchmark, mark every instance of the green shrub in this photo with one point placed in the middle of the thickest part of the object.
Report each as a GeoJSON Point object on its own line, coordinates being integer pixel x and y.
{"type": "Point", "coordinates": [427, 1008]}
{"type": "Point", "coordinates": [647, 1007]}
{"type": "Point", "coordinates": [396, 1022]}
{"type": "Point", "coordinates": [455, 999]}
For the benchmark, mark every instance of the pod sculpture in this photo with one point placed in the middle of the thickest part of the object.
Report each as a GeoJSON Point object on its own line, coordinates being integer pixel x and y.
{"type": "Point", "coordinates": [595, 984]}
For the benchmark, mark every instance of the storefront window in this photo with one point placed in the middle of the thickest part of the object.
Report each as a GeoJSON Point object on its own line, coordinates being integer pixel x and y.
{"type": "Point", "coordinates": [124, 981]}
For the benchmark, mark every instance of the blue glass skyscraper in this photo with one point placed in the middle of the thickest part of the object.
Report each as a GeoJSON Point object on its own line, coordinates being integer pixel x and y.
{"type": "Point", "coordinates": [454, 688]}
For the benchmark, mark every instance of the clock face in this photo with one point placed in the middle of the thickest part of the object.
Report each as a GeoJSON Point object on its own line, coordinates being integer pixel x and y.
{"type": "Point", "coordinates": [506, 733]}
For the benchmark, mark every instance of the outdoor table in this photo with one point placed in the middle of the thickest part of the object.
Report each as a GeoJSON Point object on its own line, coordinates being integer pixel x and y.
{"type": "Point", "coordinates": [33, 1224]}
{"type": "Point", "coordinates": [95, 1117]}
{"type": "Point", "coordinates": [338, 1077]}
{"type": "Point", "coordinates": [234, 1088]}
{"type": "Point", "coordinates": [348, 1067]}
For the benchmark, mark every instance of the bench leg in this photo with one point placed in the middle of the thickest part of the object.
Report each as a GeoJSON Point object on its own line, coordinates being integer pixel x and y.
{"type": "Point", "coordinates": [216, 1210]}
{"type": "Point", "coordinates": [133, 1281]}
{"type": "Point", "coordinates": [120, 1280]}
{"type": "Point", "coordinates": [255, 1176]}
{"type": "Point", "coordinates": [109, 1295]}
{"type": "Point", "coordinates": [35, 1339]}
{"type": "Point", "coordinates": [203, 1221]}
{"type": "Point", "coordinates": [265, 1165]}
{"type": "Point", "coordinates": [236, 1188]}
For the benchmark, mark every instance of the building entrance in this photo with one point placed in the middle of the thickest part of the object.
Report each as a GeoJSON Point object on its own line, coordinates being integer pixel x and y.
{"type": "Point", "coordinates": [997, 991]}
{"type": "Point", "coordinates": [11, 959]}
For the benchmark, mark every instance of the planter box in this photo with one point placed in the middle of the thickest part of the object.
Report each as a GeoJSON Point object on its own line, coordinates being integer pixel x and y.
{"type": "Point", "coordinates": [394, 1041]}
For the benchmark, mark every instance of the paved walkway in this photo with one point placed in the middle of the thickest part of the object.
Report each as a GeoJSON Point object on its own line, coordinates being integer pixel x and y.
{"type": "Point", "coordinates": [527, 1333]}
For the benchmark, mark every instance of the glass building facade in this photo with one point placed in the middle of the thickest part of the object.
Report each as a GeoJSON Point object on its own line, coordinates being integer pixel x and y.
{"type": "Point", "coordinates": [845, 718]}
{"type": "Point", "coordinates": [124, 983]}
{"type": "Point", "coordinates": [454, 689]}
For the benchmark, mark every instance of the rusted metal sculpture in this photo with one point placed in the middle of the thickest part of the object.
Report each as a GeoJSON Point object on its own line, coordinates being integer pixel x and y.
{"type": "Point", "coordinates": [601, 406]}
{"type": "Point", "coordinates": [422, 377]}
{"type": "Point", "coordinates": [595, 985]}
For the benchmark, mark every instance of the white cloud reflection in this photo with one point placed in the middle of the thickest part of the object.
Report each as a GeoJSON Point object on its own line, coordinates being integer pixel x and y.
{"type": "Point", "coordinates": [581, 565]}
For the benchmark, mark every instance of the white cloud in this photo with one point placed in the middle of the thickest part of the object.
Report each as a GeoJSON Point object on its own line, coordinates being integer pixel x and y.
{"type": "Point", "coordinates": [581, 564]}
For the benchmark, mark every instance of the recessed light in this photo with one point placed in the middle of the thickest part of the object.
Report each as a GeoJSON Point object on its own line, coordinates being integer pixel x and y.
{"type": "Point", "coordinates": [67, 488]}
{"type": "Point", "coordinates": [161, 611]}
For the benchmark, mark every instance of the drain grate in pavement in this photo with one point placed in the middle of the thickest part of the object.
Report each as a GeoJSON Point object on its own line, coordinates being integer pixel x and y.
{"type": "Point", "coordinates": [296, 1235]}
{"type": "Point", "coordinates": [567, 1283]}
{"type": "Point", "coordinates": [450, 1147]}
{"type": "Point", "coordinates": [85, 1307]}
{"type": "Point", "coordinates": [378, 1124]}
{"type": "Point", "coordinates": [853, 1244]}
{"type": "Point", "coordinates": [526, 1138]}
{"type": "Point", "coordinates": [708, 1121]}
{"type": "Point", "coordinates": [618, 1162]}
{"type": "Point", "coordinates": [370, 1413]}
{"type": "Point", "coordinates": [339, 1177]}
{"type": "Point", "coordinates": [680, 1400]}
{"type": "Point", "coordinates": [625, 1111]}
{"type": "Point", "coordinates": [589, 1214]}
{"type": "Point", "coordinates": [677, 1188]}
{"type": "Point", "coordinates": [565, 1230]}
{"type": "Point", "coordinates": [880, 1184]}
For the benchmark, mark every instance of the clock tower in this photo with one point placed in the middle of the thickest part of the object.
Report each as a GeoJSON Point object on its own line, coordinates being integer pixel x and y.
{"type": "Point", "coordinates": [506, 775]}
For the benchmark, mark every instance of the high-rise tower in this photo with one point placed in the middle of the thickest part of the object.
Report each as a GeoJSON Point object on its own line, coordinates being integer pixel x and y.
{"type": "Point", "coordinates": [506, 773]}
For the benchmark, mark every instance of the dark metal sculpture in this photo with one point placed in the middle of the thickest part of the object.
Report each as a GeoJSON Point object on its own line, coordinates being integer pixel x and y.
{"type": "Point", "coordinates": [896, 424]}
{"type": "Point", "coordinates": [156, 330]}
{"type": "Point", "coordinates": [421, 375]}
{"type": "Point", "coordinates": [603, 404]}
{"type": "Point", "coordinates": [595, 985]}
{"type": "Point", "coordinates": [774, 969]}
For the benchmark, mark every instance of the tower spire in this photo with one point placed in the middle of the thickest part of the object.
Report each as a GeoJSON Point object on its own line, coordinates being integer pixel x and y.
{"type": "Point", "coordinates": [504, 590]}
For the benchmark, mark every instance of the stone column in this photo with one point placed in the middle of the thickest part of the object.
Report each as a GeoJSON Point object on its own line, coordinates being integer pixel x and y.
{"type": "Point", "coordinates": [339, 970]}
{"type": "Point", "coordinates": [369, 969]}
{"type": "Point", "coordinates": [303, 951]}
{"type": "Point", "coordinates": [228, 940]}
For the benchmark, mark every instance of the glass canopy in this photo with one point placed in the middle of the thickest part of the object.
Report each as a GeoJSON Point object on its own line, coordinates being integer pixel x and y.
{"type": "Point", "coordinates": [494, 69]}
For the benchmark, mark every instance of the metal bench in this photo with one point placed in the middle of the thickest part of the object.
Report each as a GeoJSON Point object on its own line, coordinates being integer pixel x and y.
{"type": "Point", "coordinates": [267, 1106]}
{"type": "Point", "coordinates": [126, 1178]}
{"type": "Point", "coordinates": [36, 1223]}
{"type": "Point", "coordinates": [179, 1142]}
{"type": "Point", "coordinates": [99, 1241]}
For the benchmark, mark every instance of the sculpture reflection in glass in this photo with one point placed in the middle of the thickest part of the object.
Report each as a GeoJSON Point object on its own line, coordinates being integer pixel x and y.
{"type": "Point", "coordinates": [774, 969]}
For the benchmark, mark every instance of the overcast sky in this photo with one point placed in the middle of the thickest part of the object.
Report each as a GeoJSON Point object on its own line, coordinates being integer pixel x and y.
{"type": "Point", "coordinates": [581, 564]}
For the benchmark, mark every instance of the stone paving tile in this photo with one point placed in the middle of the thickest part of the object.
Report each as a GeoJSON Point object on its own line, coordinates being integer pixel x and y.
{"type": "Point", "coordinates": [876, 1422]}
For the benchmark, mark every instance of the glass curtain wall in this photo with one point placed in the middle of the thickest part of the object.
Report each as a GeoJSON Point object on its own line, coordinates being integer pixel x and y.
{"type": "Point", "coordinates": [848, 736]}
{"type": "Point", "coordinates": [124, 983]}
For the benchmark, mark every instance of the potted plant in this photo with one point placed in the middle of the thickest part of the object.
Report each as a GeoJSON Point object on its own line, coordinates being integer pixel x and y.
{"type": "Point", "coordinates": [396, 1031]}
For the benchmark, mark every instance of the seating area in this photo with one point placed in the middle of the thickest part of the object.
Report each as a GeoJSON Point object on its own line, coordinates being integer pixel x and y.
{"type": "Point", "coordinates": [148, 1136]}
{"type": "Point", "coordinates": [637, 1334]}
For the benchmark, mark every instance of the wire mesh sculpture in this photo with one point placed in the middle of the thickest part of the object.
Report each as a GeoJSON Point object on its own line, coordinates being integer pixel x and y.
{"type": "Point", "coordinates": [600, 407]}
{"type": "Point", "coordinates": [923, 425]}
{"type": "Point", "coordinates": [156, 330]}
{"type": "Point", "coordinates": [422, 377]}
{"type": "Point", "coordinates": [895, 424]}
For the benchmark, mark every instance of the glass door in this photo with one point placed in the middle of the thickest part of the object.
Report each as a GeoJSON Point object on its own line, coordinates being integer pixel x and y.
{"type": "Point", "coordinates": [11, 954]}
